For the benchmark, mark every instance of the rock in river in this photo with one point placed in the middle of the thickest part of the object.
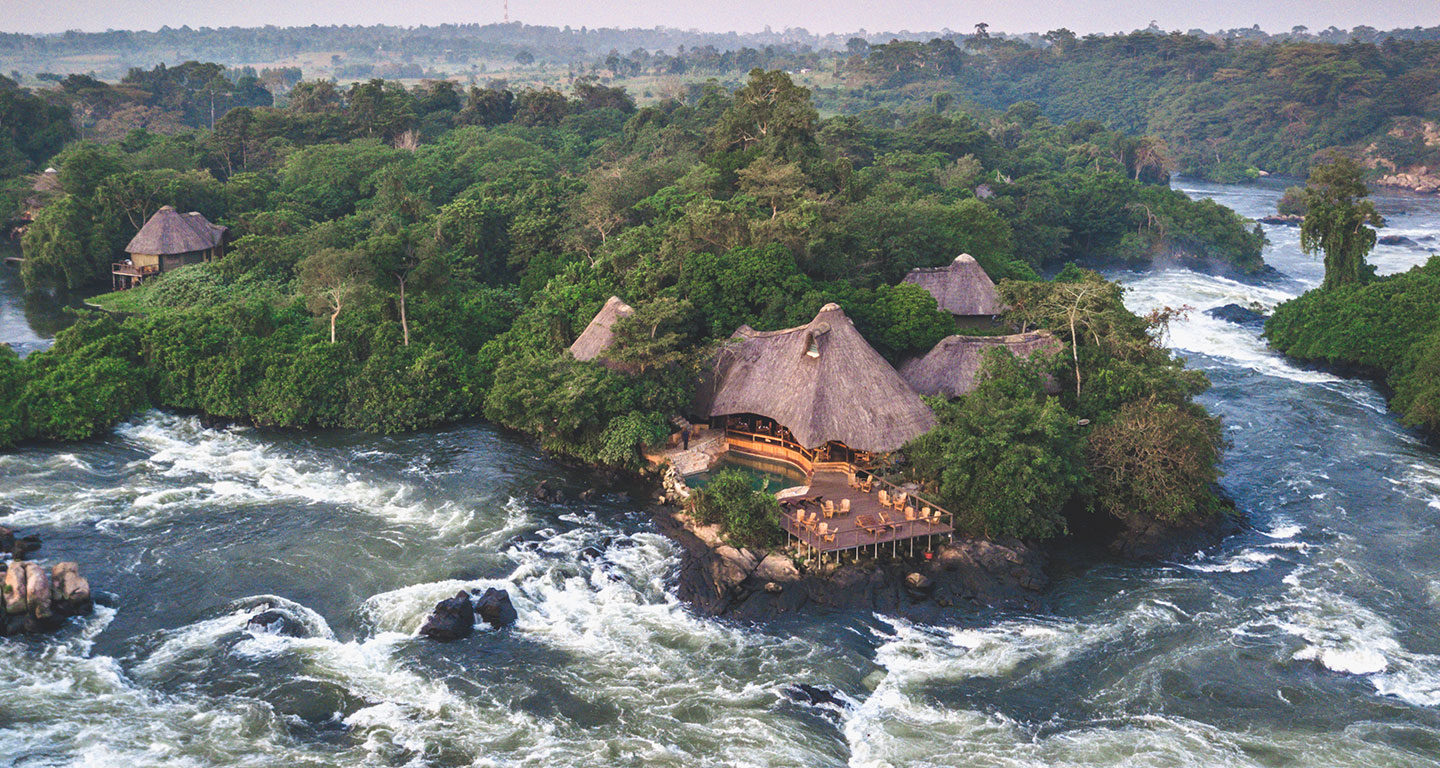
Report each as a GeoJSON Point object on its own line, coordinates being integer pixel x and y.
{"type": "Point", "coordinates": [1235, 313]}
{"type": "Point", "coordinates": [452, 619]}
{"type": "Point", "coordinates": [495, 608]}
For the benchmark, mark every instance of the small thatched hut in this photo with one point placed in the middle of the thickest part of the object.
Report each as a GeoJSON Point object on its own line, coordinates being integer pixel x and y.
{"type": "Point", "coordinates": [961, 287]}
{"type": "Point", "coordinates": [952, 367]}
{"type": "Point", "coordinates": [169, 240]}
{"type": "Point", "coordinates": [598, 335]}
{"type": "Point", "coordinates": [816, 386]}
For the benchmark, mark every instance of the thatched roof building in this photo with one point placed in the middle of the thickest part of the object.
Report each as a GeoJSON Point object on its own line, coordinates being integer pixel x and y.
{"type": "Point", "coordinates": [170, 232]}
{"type": "Point", "coordinates": [960, 288]}
{"type": "Point", "coordinates": [952, 367]}
{"type": "Point", "coordinates": [821, 380]}
{"type": "Point", "coordinates": [598, 335]}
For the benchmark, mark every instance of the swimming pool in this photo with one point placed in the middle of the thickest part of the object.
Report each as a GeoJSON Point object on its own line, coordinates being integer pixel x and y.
{"type": "Point", "coordinates": [764, 474]}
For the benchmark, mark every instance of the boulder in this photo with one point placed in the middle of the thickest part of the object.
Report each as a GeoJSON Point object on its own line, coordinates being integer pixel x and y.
{"type": "Point", "coordinates": [1235, 313]}
{"type": "Point", "coordinates": [1395, 240]}
{"type": "Point", "coordinates": [918, 585]}
{"type": "Point", "coordinates": [21, 546]}
{"type": "Point", "coordinates": [495, 608]}
{"type": "Point", "coordinates": [69, 591]}
{"type": "Point", "coordinates": [773, 588]}
{"type": "Point", "coordinates": [543, 492]}
{"type": "Point", "coordinates": [273, 622]}
{"type": "Point", "coordinates": [37, 591]}
{"type": "Point", "coordinates": [827, 700]}
{"type": "Point", "coordinates": [16, 584]}
{"type": "Point", "coordinates": [452, 619]}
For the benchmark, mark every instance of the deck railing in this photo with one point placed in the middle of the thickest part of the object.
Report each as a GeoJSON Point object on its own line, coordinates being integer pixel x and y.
{"type": "Point", "coordinates": [131, 270]}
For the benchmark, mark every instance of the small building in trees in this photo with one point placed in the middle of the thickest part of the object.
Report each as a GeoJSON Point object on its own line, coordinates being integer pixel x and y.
{"type": "Point", "coordinates": [810, 395]}
{"type": "Point", "coordinates": [169, 240]}
{"type": "Point", "coordinates": [961, 288]}
{"type": "Point", "coordinates": [952, 367]}
{"type": "Point", "coordinates": [600, 333]}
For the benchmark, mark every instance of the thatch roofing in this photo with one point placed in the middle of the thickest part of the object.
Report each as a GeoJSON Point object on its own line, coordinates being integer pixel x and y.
{"type": "Point", "coordinates": [952, 367]}
{"type": "Point", "coordinates": [598, 335]}
{"type": "Point", "coordinates": [170, 232]}
{"type": "Point", "coordinates": [821, 380]}
{"type": "Point", "coordinates": [960, 287]}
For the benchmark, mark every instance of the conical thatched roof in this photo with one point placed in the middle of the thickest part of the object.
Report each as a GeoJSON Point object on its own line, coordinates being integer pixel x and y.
{"type": "Point", "coordinates": [952, 367]}
{"type": "Point", "coordinates": [960, 288]}
{"type": "Point", "coordinates": [170, 232]}
{"type": "Point", "coordinates": [821, 380]}
{"type": "Point", "coordinates": [597, 336]}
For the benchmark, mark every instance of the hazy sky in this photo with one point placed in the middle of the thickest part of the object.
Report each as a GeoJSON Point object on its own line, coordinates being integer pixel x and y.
{"type": "Point", "coordinates": [741, 15]}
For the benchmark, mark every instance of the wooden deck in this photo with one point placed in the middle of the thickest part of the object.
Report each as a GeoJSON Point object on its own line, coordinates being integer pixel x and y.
{"type": "Point", "coordinates": [869, 523]}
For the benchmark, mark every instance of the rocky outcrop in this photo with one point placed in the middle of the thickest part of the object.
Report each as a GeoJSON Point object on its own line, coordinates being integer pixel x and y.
{"type": "Point", "coordinates": [1240, 315]}
{"type": "Point", "coordinates": [454, 618]}
{"type": "Point", "coordinates": [673, 489]}
{"type": "Point", "coordinates": [1160, 541]}
{"type": "Point", "coordinates": [495, 608]}
{"type": "Point", "coordinates": [1395, 240]}
{"type": "Point", "coordinates": [1417, 179]}
{"type": "Point", "coordinates": [1285, 219]}
{"type": "Point", "coordinates": [720, 580]}
{"type": "Point", "coordinates": [38, 599]}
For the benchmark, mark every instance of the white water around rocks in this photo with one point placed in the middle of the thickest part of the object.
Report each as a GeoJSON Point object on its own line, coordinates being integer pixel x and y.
{"type": "Point", "coordinates": [1310, 640]}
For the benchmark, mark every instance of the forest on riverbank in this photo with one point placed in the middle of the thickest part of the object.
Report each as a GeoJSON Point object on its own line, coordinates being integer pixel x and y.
{"type": "Point", "coordinates": [454, 243]}
{"type": "Point", "coordinates": [1384, 327]}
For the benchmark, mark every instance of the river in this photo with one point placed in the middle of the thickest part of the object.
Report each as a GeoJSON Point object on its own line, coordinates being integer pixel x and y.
{"type": "Point", "coordinates": [1310, 640]}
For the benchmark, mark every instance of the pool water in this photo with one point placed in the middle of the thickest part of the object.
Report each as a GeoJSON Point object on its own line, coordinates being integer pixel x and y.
{"type": "Point", "coordinates": [765, 474]}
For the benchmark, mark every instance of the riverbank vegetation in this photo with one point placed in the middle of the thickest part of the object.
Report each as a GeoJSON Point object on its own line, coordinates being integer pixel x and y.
{"type": "Point", "coordinates": [403, 258]}
{"type": "Point", "coordinates": [1122, 437]}
{"type": "Point", "coordinates": [1386, 327]}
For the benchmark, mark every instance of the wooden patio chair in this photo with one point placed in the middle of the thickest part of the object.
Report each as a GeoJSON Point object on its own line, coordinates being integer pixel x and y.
{"type": "Point", "coordinates": [884, 497]}
{"type": "Point", "coordinates": [910, 514]}
{"type": "Point", "coordinates": [867, 485]}
{"type": "Point", "coordinates": [844, 507]}
{"type": "Point", "coordinates": [829, 508]}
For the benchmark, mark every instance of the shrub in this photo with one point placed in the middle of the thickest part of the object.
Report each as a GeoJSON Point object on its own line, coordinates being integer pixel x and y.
{"type": "Point", "coordinates": [749, 518]}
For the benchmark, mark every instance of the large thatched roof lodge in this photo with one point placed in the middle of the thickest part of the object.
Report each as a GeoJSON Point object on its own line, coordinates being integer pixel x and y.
{"type": "Point", "coordinates": [952, 367]}
{"type": "Point", "coordinates": [820, 398]}
{"type": "Point", "coordinates": [169, 240]}
{"type": "Point", "coordinates": [814, 393]}
{"type": "Point", "coordinates": [961, 287]}
{"type": "Point", "coordinates": [600, 333]}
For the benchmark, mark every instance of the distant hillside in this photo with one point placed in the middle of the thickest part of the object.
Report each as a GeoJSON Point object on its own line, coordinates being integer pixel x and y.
{"type": "Point", "coordinates": [1226, 109]}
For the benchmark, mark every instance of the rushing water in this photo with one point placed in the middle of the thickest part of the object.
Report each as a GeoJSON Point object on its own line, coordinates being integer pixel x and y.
{"type": "Point", "coordinates": [1310, 640]}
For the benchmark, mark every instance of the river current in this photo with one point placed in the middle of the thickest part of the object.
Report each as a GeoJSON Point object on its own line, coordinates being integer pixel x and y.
{"type": "Point", "coordinates": [1311, 639]}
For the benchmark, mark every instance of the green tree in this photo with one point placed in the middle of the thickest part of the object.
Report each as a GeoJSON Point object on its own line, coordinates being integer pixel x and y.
{"type": "Point", "coordinates": [770, 112]}
{"type": "Point", "coordinates": [1336, 215]}
{"type": "Point", "coordinates": [1005, 458]}
{"type": "Point", "coordinates": [749, 518]}
{"type": "Point", "coordinates": [333, 279]}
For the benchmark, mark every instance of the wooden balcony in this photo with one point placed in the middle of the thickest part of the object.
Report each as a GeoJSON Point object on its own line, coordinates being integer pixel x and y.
{"type": "Point", "coordinates": [870, 524]}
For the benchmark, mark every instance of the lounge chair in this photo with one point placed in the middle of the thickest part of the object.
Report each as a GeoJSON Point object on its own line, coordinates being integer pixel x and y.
{"type": "Point", "coordinates": [884, 497]}
{"type": "Point", "coordinates": [844, 507]}
{"type": "Point", "coordinates": [829, 508]}
{"type": "Point", "coordinates": [910, 514]}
